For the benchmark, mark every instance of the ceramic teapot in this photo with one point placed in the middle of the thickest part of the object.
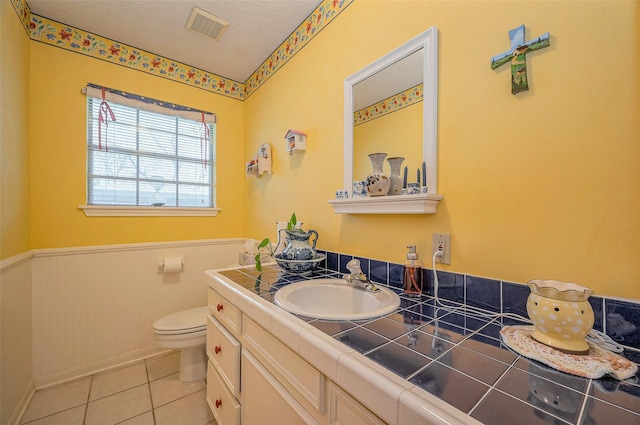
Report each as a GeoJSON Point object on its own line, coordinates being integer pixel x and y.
{"type": "Point", "coordinates": [299, 246]}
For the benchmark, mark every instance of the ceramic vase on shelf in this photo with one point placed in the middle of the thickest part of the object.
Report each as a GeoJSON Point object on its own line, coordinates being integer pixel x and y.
{"type": "Point", "coordinates": [394, 175]}
{"type": "Point", "coordinates": [377, 183]}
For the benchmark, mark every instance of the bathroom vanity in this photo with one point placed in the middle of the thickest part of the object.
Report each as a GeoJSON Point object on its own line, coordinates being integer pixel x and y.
{"type": "Point", "coordinates": [420, 364]}
{"type": "Point", "coordinates": [267, 366]}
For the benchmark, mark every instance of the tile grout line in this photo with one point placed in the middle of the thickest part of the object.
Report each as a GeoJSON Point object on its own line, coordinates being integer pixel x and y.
{"type": "Point", "coordinates": [153, 410]}
{"type": "Point", "coordinates": [87, 400]}
{"type": "Point", "coordinates": [86, 406]}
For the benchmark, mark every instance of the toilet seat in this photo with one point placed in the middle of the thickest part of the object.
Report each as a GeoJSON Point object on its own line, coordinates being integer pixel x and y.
{"type": "Point", "coordinates": [182, 322]}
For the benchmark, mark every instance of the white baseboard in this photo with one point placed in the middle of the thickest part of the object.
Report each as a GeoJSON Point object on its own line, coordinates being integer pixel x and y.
{"type": "Point", "coordinates": [18, 412]}
{"type": "Point", "coordinates": [76, 373]}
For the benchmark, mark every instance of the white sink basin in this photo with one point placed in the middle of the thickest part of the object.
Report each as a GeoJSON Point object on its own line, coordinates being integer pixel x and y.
{"type": "Point", "coordinates": [333, 299]}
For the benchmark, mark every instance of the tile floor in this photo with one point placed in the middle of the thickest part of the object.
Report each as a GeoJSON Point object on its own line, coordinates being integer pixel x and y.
{"type": "Point", "coordinates": [146, 393]}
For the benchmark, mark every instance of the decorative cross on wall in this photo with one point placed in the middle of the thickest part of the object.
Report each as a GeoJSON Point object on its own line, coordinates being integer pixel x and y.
{"type": "Point", "coordinates": [517, 55]}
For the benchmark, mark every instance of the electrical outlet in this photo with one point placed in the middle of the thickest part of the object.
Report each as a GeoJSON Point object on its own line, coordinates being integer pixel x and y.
{"type": "Point", "coordinates": [442, 241]}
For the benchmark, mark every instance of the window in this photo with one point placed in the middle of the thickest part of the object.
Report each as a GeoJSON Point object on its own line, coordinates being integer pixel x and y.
{"type": "Point", "coordinates": [152, 155]}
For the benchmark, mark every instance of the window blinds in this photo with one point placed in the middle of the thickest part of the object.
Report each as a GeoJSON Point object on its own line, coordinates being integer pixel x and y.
{"type": "Point", "coordinates": [153, 154]}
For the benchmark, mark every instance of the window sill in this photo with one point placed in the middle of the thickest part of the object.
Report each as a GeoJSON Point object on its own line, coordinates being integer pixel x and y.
{"type": "Point", "coordinates": [130, 211]}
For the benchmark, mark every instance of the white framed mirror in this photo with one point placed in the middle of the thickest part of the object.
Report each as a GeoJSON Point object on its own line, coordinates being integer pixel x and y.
{"type": "Point", "coordinates": [410, 67]}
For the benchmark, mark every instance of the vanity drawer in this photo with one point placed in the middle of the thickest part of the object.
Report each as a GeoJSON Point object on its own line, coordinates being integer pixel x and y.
{"type": "Point", "coordinates": [223, 404]}
{"type": "Point", "coordinates": [226, 313]}
{"type": "Point", "coordinates": [223, 351]}
{"type": "Point", "coordinates": [288, 367]}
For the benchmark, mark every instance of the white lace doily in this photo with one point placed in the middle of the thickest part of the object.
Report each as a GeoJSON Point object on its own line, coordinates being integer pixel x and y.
{"type": "Point", "coordinates": [596, 364]}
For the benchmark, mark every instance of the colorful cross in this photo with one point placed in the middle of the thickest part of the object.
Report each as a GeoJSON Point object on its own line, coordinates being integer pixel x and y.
{"type": "Point", "coordinates": [517, 56]}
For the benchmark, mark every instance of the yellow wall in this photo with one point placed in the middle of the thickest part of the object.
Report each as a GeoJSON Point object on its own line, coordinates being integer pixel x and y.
{"type": "Point", "coordinates": [58, 155]}
{"type": "Point", "coordinates": [539, 185]}
{"type": "Point", "coordinates": [14, 135]}
{"type": "Point", "coordinates": [16, 366]}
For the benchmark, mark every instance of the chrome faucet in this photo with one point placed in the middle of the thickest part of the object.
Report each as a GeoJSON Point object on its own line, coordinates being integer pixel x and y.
{"type": "Point", "coordinates": [357, 279]}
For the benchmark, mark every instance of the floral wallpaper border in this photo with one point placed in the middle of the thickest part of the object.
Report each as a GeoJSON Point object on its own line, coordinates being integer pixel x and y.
{"type": "Point", "coordinates": [63, 36]}
{"type": "Point", "coordinates": [320, 18]}
{"type": "Point", "coordinates": [392, 104]}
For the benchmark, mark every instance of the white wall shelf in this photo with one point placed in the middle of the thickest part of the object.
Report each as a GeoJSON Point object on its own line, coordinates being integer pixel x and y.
{"type": "Point", "coordinates": [399, 204]}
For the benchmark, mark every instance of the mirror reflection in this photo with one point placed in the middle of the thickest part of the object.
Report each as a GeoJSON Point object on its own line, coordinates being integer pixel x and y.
{"type": "Point", "coordinates": [387, 115]}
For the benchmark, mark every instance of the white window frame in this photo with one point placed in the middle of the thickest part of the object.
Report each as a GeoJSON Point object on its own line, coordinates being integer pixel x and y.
{"type": "Point", "coordinates": [143, 210]}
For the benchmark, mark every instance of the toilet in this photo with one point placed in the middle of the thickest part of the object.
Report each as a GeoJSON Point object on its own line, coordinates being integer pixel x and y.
{"type": "Point", "coordinates": [185, 331]}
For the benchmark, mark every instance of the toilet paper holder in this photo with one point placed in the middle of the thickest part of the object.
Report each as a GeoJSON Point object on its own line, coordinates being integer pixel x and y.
{"type": "Point", "coordinates": [170, 264]}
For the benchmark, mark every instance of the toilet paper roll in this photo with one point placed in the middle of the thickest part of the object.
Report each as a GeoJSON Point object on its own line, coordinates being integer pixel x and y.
{"type": "Point", "coordinates": [172, 265]}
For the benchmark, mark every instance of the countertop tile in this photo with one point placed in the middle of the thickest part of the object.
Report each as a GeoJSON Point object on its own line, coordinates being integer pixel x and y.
{"type": "Point", "coordinates": [331, 327]}
{"type": "Point", "coordinates": [450, 385]}
{"type": "Point", "coordinates": [324, 357]}
{"type": "Point", "coordinates": [378, 390]}
{"type": "Point", "coordinates": [621, 393]}
{"type": "Point", "coordinates": [548, 396]}
{"type": "Point", "coordinates": [409, 319]}
{"type": "Point", "coordinates": [489, 347]}
{"type": "Point", "coordinates": [492, 330]}
{"type": "Point", "coordinates": [419, 407]}
{"type": "Point", "coordinates": [477, 365]}
{"type": "Point", "coordinates": [532, 367]}
{"type": "Point", "coordinates": [287, 330]}
{"type": "Point", "coordinates": [598, 412]}
{"type": "Point", "coordinates": [467, 324]}
{"type": "Point", "coordinates": [262, 314]}
{"type": "Point", "coordinates": [399, 359]}
{"type": "Point", "coordinates": [388, 328]}
{"type": "Point", "coordinates": [361, 339]}
{"type": "Point", "coordinates": [499, 408]}
{"type": "Point", "coordinates": [426, 344]}
{"type": "Point", "coordinates": [444, 331]}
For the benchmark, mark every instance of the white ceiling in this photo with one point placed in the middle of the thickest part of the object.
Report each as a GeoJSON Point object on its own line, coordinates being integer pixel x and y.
{"type": "Point", "coordinates": [256, 28]}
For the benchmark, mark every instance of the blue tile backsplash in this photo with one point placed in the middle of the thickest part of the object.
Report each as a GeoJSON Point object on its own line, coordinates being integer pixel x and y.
{"type": "Point", "coordinates": [620, 319]}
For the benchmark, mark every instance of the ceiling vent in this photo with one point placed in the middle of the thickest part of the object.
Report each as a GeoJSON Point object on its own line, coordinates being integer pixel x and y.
{"type": "Point", "coordinates": [206, 24]}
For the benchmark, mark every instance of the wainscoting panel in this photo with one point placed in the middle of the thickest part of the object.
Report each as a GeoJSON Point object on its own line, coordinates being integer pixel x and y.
{"type": "Point", "coordinates": [16, 385]}
{"type": "Point", "coordinates": [93, 307]}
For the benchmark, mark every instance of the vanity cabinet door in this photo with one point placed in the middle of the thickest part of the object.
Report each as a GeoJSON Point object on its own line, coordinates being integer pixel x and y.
{"type": "Point", "coordinates": [265, 401]}
{"type": "Point", "coordinates": [300, 378]}
{"type": "Point", "coordinates": [345, 410]}
{"type": "Point", "coordinates": [223, 404]}
{"type": "Point", "coordinates": [223, 351]}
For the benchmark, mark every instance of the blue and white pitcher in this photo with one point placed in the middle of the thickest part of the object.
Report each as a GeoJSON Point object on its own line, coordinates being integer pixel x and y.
{"type": "Point", "coordinates": [299, 246]}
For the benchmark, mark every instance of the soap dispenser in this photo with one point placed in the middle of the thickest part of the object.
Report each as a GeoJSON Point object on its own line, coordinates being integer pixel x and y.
{"type": "Point", "coordinates": [412, 275]}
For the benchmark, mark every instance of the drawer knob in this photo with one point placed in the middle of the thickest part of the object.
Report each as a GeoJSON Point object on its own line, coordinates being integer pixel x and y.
{"type": "Point", "coordinates": [218, 403]}
{"type": "Point", "coordinates": [217, 349]}
{"type": "Point", "coordinates": [219, 307]}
